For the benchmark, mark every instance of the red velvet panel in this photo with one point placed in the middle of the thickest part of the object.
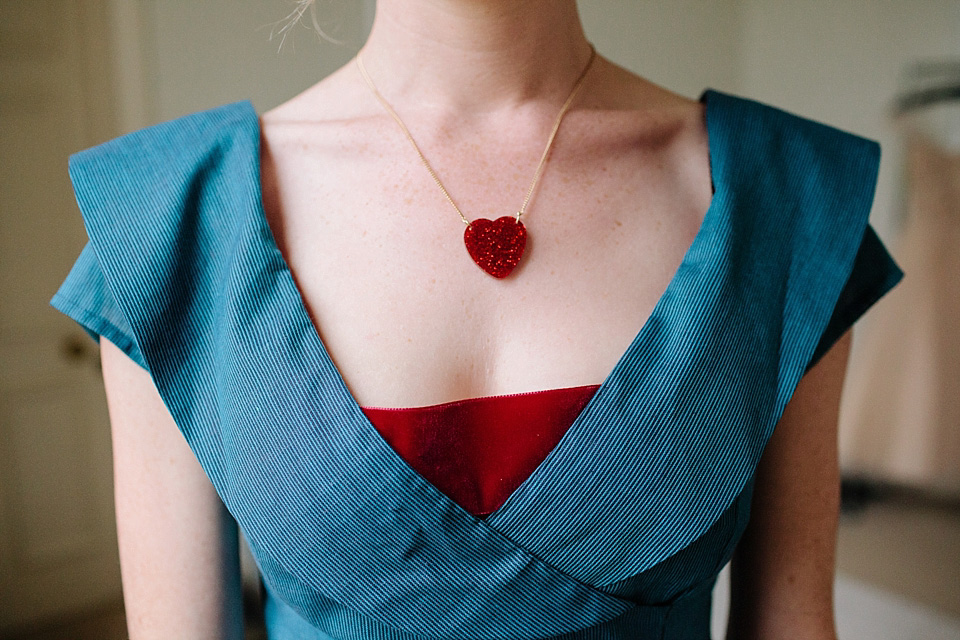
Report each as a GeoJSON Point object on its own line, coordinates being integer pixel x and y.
{"type": "Point", "coordinates": [479, 450]}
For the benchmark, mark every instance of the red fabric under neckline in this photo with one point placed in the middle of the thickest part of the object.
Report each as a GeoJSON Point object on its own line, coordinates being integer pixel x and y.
{"type": "Point", "coordinates": [479, 450]}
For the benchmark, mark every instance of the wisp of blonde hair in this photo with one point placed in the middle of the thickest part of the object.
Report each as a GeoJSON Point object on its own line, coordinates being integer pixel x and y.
{"type": "Point", "coordinates": [295, 17]}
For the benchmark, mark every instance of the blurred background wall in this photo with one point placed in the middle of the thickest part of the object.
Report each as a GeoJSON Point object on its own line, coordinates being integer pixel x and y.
{"type": "Point", "coordinates": [77, 72]}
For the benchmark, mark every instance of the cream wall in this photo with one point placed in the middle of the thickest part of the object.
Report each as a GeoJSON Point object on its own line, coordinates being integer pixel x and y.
{"type": "Point", "coordinates": [208, 52]}
{"type": "Point", "coordinates": [685, 45]}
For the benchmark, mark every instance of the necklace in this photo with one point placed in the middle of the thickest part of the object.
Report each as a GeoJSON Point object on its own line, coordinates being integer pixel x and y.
{"type": "Point", "coordinates": [495, 245]}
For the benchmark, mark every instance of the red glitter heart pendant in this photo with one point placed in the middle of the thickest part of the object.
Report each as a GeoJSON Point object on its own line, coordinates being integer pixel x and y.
{"type": "Point", "coordinates": [496, 245]}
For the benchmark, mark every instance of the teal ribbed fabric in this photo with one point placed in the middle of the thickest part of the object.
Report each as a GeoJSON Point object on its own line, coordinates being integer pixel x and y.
{"type": "Point", "coordinates": [620, 532]}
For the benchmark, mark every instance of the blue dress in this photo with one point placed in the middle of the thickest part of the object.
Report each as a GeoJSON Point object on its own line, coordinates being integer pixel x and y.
{"type": "Point", "coordinates": [622, 529]}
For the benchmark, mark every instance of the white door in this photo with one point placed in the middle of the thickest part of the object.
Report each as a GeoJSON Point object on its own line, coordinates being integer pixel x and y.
{"type": "Point", "coordinates": [58, 550]}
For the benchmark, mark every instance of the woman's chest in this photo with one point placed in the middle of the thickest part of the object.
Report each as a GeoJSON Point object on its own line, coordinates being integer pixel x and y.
{"type": "Point", "coordinates": [409, 319]}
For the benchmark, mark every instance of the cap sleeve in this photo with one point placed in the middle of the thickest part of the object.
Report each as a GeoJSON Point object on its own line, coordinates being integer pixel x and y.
{"type": "Point", "coordinates": [872, 275]}
{"type": "Point", "coordinates": [161, 207]}
{"type": "Point", "coordinates": [85, 297]}
{"type": "Point", "coordinates": [813, 263]}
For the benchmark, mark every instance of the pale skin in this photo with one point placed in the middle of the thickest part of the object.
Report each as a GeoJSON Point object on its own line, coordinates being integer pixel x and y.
{"type": "Point", "coordinates": [409, 320]}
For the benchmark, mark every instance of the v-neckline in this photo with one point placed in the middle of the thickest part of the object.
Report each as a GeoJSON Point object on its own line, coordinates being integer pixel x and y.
{"type": "Point", "coordinates": [347, 398]}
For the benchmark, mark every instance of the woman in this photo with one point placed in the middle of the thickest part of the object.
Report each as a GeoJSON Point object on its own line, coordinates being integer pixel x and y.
{"type": "Point", "coordinates": [733, 236]}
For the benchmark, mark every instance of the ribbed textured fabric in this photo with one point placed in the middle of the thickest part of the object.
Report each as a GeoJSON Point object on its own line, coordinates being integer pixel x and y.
{"type": "Point", "coordinates": [477, 451]}
{"type": "Point", "coordinates": [620, 531]}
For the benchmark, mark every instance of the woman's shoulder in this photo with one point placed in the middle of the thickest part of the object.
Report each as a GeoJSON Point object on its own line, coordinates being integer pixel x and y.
{"type": "Point", "coordinates": [753, 121]}
{"type": "Point", "coordinates": [744, 137]}
{"type": "Point", "coordinates": [337, 98]}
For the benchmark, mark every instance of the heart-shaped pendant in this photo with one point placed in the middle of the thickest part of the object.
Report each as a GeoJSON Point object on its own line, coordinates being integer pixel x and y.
{"type": "Point", "coordinates": [496, 245]}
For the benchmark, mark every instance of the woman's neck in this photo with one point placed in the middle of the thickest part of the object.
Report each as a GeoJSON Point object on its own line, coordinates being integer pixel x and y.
{"type": "Point", "coordinates": [475, 56]}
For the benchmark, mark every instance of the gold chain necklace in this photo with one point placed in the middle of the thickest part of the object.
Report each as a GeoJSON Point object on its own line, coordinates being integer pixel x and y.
{"type": "Point", "coordinates": [495, 245]}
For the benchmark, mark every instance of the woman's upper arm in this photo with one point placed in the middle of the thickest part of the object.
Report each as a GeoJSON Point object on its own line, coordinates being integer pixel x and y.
{"type": "Point", "coordinates": [783, 568]}
{"type": "Point", "coordinates": [178, 544]}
